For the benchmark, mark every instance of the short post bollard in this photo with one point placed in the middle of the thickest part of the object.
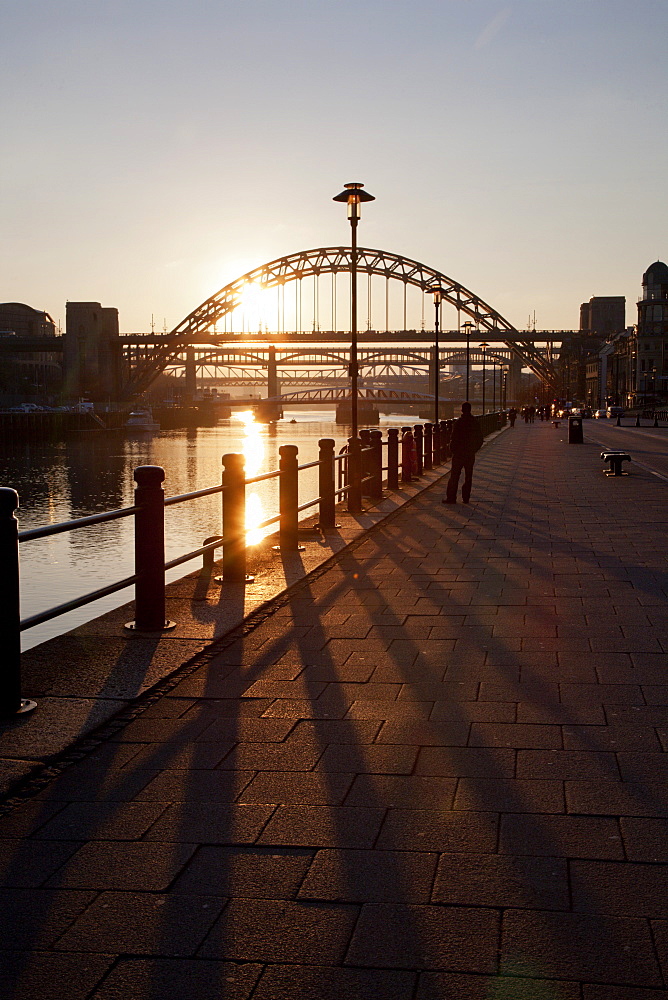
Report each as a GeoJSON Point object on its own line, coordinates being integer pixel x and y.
{"type": "Point", "coordinates": [436, 443]}
{"type": "Point", "coordinates": [638, 424]}
{"type": "Point", "coordinates": [428, 445]}
{"type": "Point", "coordinates": [354, 478]}
{"type": "Point", "coordinates": [288, 499]}
{"type": "Point", "coordinates": [407, 447]}
{"type": "Point", "coordinates": [326, 483]}
{"type": "Point", "coordinates": [446, 434]}
{"type": "Point", "coordinates": [376, 465]}
{"type": "Point", "coordinates": [619, 421]}
{"type": "Point", "coordinates": [11, 702]}
{"type": "Point", "coordinates": [656, 419]}
{"type": "Point", "coordinates": [234, 521]}
{"type": "Point", "coordinates": [393, 458]}
{"type": "Point", "coordinates": [419, 454]}
{"type": "Point", "coordinates": [150, 551]}
{"type": "Point", "coordinates": [365, 439]}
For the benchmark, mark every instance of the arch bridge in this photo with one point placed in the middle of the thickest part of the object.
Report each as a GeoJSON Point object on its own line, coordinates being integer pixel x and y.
{"type": "Point", "coordinates": [200, 325]}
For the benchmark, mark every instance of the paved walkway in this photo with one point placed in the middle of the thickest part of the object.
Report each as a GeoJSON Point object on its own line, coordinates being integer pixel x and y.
{"type": "Point", "coordinates": [435, 770]}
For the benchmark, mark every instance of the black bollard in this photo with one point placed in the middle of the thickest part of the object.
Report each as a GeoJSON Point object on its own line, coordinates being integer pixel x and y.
{"type": "Point", "coordinates": [619, 421]}
{"type": "Point", "coordinates": [428, 446]}
{"type": "Point", "coordinates": [393, 458]}
{"type": "Point", "coordinates": [288, 499]}
{"type": "Point", "coordinates": [326, 483]}
{"type": "Point", "coordinates": [150, 551]}
{"type": "Point", "coordinates": [436, 443]}
{"type": "Point", "coordinates": [419, 453]}
{"type": "Point", "coordinates": [11, 702]}
{"type": "Point", "coordinates": [376, 465]}
{"type": "Point", "coordinates": [234, 520]}
{"type": "Point", "coordinates": [638, 420]}
{"type": "Point", "coordinates": [354, 479]}
{"type": "Point", "coordinates": [365, 440]}
{"type": "Point", "coordinates": [656, 420]}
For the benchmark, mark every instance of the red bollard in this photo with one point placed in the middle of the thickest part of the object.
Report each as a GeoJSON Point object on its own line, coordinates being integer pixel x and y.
{"type": "Point", "coordinates": [326, 483]}
{"type": "Point", "coordinates": [234, 520]}
{"type": "Point", "coordinates": [288, 493]}
{"type": "Point", "coordinates": [393, 458]}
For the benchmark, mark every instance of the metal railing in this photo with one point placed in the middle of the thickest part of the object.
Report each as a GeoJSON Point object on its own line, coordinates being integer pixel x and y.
{"type": "Point", "coordinates": [420, 449]}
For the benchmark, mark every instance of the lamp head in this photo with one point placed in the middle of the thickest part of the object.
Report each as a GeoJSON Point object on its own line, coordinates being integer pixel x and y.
{"type": "Point", "coordinates": [437, 292]}
{"type": "Point", "coordinates": [483, 345]}
{"type": "Point", "coordinates": [354, 195]}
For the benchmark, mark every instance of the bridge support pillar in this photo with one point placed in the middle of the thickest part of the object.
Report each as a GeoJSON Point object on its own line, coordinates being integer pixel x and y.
{"type": "Point", "coordinates": [191, 374]}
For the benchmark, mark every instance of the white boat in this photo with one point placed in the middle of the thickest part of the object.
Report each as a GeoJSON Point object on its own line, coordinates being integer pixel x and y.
{"type": "Point", "coordinates": [142, 420]}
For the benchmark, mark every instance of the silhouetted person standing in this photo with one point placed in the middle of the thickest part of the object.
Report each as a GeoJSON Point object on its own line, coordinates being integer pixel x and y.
{"type": "Point", "coordinates": [466, 441]}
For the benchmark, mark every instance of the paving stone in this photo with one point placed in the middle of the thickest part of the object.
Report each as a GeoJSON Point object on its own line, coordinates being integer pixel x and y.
{"type": "Point", "coordinates": [510, 795]}
{"type": "Point", "coordinates": [265, 872]}
{"type": "Point", "coordinates": [566, 764]}
{"type": "Point", "coordinates": [610, 738]}
{"type": "Point", "coordinates": [210, 822]}
{"type": "Point", "coordinates": [289, 756]}
{"type": "Point", "coordinates": [591, 714]}
{"type": "Point", "coordinates": [590, 992]}
{"type": "Point", "coordinates": [390, 710]}
{"type": "Point", "coordinates": [98, 784]}
{"type": "Point", "coordinates": [323, 732]}
{"type": "Point", "coordinates": [247, 730]}
{"type": "Point", "coordinates": [27, 817]}
{"type": "Point", "coordinates": [321, 826]}
{"type": "Point", "coordinates": [596, 837]}
{"type": "Point", "coordinates": [516, 736]}
{"type": "Point", "coordinates": [617, 798]}
{"type": "Point", "coordinates": [281, 931]}
{"type": "Point", "coordinates": [645, 839]}
{"type": "Point", "coordinates": [151, 730]}
{"type": "Point", "coordinates": [324, 708]}
{"type": "Point", "coordinates": [368, 759]}
{"type": "Point", "coordinates": [116, 865]}
{"type": "Point", "coordinates": [32, 919]}
{"type": "Point", "coordinates": [495, 880]}
{"type": "Point", "coordinates": [143, 924]}
{"type": "Point", "coordinates": [174, 979]}
{"type": "Point", "coordinates": [288, 982]}
{"type": "Point", "coordinates": [412, 792]}
{"type": "Point", "coordinates": [28, 863]}
{"type": "Point", "coordinates": [27, 975]}
{"type": "Point", "coordinates": [438, 830]}
{"type": "Point", "coordinates": [454, 986]}
{"type": "Point", "coordinates": [358, 876]}
{"type": "Point", "coordinates": [474, 711]}
{"type": "Point", "coordinates": [169, 756]}
{"type": "Point", "coordinates": [660, 933]}
{"type": "Point", "coordinates": [643, 767]}
{"type": "Point", "coordinates": [466, 762]}
{"type": "Point", "coordinates": [298, 788]}
{"type": "Point", "coordinates": [439, 734]}
{"type": "Point", "coordinates": [182, 785]}
{"type": "Point", "coordinates": [460, 939]}
{"type": "Point", "coordinates": [101, 821]}
{"type": "Point", "coordinates": [624, 889]}
{"type": "Point", "coordinates": [594, 948]}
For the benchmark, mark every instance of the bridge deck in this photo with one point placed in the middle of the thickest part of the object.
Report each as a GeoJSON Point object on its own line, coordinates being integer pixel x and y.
{"type": "Point", "coordinates": [437, 768]}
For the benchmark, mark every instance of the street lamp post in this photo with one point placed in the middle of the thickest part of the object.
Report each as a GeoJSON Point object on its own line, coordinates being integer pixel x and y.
{"type": "Point", "coordinates": [494, 387]}
{"type": "Point", "coordinates": [437, 292]}
{"type": "Point", "coordinates": [483, 348]}
{"type": "Point", "coordinates": [468, 326]}
{"type": "Point", "coordinates": [353, 195]}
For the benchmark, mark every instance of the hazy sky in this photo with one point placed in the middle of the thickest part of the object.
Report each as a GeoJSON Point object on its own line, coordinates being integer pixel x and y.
{"type": "Point", "coordinates": [153, 150]}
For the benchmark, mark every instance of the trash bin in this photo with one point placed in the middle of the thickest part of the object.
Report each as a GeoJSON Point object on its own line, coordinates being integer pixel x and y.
{"type": "Point", "coordinates": [575, 430]}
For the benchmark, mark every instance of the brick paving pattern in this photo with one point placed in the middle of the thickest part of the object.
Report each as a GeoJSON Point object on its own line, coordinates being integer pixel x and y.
{"type": "Point", "coordinates": [437, 770]}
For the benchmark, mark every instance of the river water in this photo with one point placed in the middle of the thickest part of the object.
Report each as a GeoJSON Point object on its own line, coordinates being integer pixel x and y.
{"type": "Point", "coordinates": [93, 472]}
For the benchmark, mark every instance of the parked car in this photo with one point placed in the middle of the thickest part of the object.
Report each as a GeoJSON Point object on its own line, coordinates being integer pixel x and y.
{"type": "Point", "coordinates": [600, 414]}
{"type": "Point", "coordinates": [615, 411]}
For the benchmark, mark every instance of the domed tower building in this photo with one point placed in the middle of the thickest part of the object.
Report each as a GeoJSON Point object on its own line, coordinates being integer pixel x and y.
{"type": "Point", "coordinates": [651, 369]}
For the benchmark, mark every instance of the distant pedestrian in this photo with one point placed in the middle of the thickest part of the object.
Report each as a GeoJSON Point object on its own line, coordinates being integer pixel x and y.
{"type": "Point", "coordinates": [465, 442]}
{"type": "Point", "coordinates": [512, 416]}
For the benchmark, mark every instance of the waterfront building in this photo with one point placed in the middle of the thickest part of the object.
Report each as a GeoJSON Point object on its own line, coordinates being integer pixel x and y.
{"type": "Point", "coordinates": [651, 339]}
{"type": "Point", "coordinates": [92, 356]}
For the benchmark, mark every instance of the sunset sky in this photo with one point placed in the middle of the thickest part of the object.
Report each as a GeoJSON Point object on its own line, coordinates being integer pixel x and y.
{"type": "Point", "coordinates": [153, 150]}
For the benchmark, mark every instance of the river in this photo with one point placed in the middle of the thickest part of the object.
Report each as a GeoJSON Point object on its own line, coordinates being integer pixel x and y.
{"type": "Point", "coordinates": [93, 472]}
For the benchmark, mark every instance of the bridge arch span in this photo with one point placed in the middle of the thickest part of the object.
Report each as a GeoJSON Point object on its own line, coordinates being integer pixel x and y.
{"type": "Point", "coordinates": [333, 260]}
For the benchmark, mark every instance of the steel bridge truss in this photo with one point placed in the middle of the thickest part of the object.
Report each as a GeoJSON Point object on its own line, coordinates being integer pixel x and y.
{"type": "Point", "coordinates": [201, 322]}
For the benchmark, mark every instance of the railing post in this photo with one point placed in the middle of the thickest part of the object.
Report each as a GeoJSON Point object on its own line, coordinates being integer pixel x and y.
{"type": "Point", "coordinates": [428, 446]}
{"type": "Point", "coordinates": [365, 439]}
{"type": "Point", "coordinates": [419, 454]}
{"type": "Point", "coordinates": [354, 477]}
{"type": "Point", "coordinates": [393, 458]}
{"type": "Point", "coordinates": [376, 465]}
{"type": "Point", "coordinates": [326, 486]}
{"type": "Point", "coordinates": [446, 433]}
{"type": "Point", "coordinates": [234, 519]}
{"type": "Point", "coordinates": [407, 445]}
{"type": "Point", "coordinates": [150, 551]}
{"type": "Point", "coordinates": [11, 702]}
{"type": "Point", "coordinates": [288, 498]}
{"type": "Point", "coordinates": [436, 442]}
